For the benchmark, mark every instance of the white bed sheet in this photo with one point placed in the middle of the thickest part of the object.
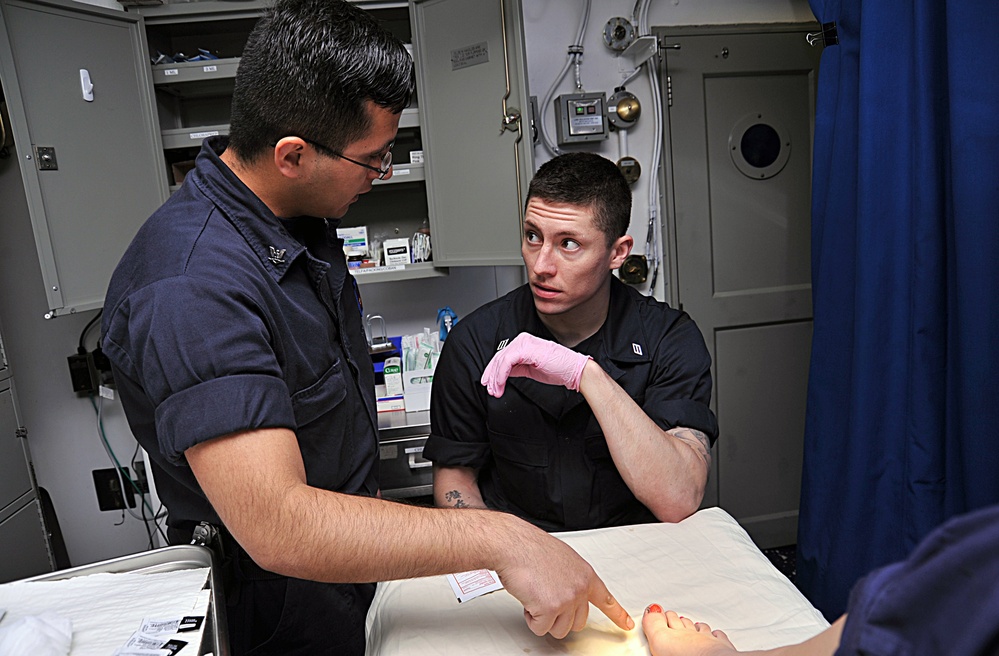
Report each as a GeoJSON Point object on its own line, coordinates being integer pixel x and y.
{"type": "Point", "coordinates": [706, 568]}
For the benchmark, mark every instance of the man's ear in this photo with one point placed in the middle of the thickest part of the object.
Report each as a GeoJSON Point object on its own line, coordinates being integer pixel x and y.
{"type": "Point", "coordinates": [288, 156]}
{"type": "Point", "coordinates": [621, 249]}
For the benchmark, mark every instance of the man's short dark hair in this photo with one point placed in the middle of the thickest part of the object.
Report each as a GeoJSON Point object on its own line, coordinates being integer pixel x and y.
{"type": "Point", "coordinates": [309, 69]}
{"type": "Point", "coordinates": [586, 180]}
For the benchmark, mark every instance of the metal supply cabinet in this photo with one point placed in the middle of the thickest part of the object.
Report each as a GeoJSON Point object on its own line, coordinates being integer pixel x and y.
{"type": "Point", "coordinates": [88, 166]}
{"type": "Point", "coordinates": [193, 103]}
{"type": "Point", "coordinates": [24, 545]}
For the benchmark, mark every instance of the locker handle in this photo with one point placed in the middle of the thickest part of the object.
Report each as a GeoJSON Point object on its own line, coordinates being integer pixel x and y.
{"type": "Point", "coordinates": [86, 86]}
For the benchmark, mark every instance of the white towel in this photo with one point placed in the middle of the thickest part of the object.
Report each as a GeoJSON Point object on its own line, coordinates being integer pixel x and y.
{"type": "Point", "coordinates": [48, 634]}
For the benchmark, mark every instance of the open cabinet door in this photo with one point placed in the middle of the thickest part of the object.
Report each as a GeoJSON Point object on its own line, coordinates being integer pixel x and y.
{"type": "Point", "coordinates": [77, 85]}
{"type": "Point", "coordinates": [475, 117]}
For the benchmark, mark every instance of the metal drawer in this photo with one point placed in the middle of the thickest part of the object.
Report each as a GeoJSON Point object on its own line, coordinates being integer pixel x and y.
{"type": "Point", "coordinates": [403, 470]}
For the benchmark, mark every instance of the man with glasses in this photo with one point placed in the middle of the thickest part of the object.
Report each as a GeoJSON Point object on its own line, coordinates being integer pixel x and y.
{"type": "Point", "coordinates": [235, 338]}
{"type": "Point", "coordinates": [383, 169]}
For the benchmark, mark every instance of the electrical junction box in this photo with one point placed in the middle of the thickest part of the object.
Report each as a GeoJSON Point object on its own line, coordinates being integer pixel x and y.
{"type": "Point", "coordinates": [580, 117]}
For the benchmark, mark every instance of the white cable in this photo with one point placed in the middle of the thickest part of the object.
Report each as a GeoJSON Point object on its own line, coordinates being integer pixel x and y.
{"type": "Point", "coordinates": [571, 58]}
{"type": "Point", "coordinates": [653, 242]}
{"type": "Point", "coordinates": [630, 76]}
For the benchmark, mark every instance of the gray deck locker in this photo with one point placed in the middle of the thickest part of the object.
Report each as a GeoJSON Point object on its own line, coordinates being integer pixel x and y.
{"type": "Point", "coordinates": [740, 229]}
{"type": "Point", "coordinates": [472, 73]}
{"type": "Point", "coordinates": [90, 168]}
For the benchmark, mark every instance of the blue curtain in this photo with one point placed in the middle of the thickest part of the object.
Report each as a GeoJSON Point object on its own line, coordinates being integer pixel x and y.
{"type": "Point", "coordinates": [902, 427]}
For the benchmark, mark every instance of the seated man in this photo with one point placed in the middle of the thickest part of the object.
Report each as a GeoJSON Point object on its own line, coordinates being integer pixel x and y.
{"type": "Point", "coordinates": [605, 418]}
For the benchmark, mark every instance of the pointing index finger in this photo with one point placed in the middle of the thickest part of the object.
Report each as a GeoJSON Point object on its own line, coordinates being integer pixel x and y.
{"type": "Point", "coordinates": [605, 602]}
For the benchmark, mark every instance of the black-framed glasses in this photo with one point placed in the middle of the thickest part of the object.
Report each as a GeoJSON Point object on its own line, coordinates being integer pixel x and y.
{"type": "Point", "coordinates": [382, 171]}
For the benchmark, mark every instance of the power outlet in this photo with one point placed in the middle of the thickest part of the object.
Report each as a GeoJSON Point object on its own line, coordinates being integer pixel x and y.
{"type": "Point", "coordinates": [109, 492]}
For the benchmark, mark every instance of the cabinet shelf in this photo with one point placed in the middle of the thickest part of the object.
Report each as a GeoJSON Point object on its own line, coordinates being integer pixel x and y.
{"type": "Point", "coordinates": [192, 136]}
{"type": "Point", "coordinates": [404, 173]}
{"type": "Point", "coordinates": [196, 71]}
{"type": "Point", "coordinates": [392, 274]}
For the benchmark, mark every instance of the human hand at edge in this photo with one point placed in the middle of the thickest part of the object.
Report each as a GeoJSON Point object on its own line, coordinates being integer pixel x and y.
{"type": "Point", "coordinates": [533, 357]}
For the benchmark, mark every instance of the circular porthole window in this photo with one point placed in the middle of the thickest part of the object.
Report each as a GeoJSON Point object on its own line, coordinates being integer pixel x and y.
{"type": "Point", "coordinates": [760, 146]}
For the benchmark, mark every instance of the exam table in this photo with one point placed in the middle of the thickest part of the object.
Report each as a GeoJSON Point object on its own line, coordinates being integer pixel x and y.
{"type": "Point", "coordinates": [706, 568]}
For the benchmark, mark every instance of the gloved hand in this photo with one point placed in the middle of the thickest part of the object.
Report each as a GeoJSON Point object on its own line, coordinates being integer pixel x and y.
{"type": "Point", "coordinates": [536, 358]}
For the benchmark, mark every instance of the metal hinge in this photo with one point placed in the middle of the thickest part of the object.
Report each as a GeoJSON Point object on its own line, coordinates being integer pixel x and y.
{"type": "Point", "coordinates": [21, 433]}
{"type": "Point", "coordinates": [3, 354]}
{"type": "Point", "coordinates": [669, 91]}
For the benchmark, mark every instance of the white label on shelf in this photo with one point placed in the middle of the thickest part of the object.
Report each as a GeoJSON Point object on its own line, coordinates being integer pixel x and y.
{"type": "Point", "coordinates": [378, 269]}
{"type": "Point", "coordinates": [171, 71]}
{"type": "Point", "coordinates": [210, 69]}
{"type": "Point", "coordinates": [202, 135]}
{"type": "Point", "coordinates": [416, 157]}
{"type": "Point", "coordinates": [397, 172]}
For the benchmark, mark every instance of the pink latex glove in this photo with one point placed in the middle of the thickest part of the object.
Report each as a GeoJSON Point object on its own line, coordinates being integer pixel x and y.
{"type": "Point", "coordinates": [536, 358]}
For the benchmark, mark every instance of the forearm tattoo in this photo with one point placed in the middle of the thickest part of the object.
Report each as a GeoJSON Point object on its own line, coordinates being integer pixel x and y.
{"type": "Point", "coordinates": [453, 498]}
{"type": "Point", "coordinates": [697, 440]}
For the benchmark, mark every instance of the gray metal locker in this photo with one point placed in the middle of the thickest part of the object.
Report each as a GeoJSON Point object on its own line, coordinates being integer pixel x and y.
{"type": "Point", "coordinates": [24, 548]}
{"type": "Point", "coordinates": [475, 116]}
{"type": "Point", "coordinates": [77, 86]}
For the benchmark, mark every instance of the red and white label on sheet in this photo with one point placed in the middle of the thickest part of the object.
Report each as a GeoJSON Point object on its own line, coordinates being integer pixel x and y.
{"type": "Point", "coordinates": [469, 585]}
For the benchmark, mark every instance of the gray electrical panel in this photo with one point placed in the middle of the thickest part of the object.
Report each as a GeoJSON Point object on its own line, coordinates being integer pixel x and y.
{"type": "Point", "coordinates": [580, 117]}
{"type": "Point", "coordinates": [77, 87]}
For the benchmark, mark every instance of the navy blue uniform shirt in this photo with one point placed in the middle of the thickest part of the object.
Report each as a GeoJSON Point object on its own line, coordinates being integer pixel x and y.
{"type": "Point", "coordinates": [539, 450]}
{"type": "Point", "coordinates": [218, 319]}
{"type": "Point", "coordinates": [223, 318]}
{"type": "Point", "coordinates": [944, 599]}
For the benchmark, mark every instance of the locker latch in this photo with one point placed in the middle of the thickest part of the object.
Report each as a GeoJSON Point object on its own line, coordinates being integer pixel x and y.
{"type": "Point", "coordinates": [45, 158]}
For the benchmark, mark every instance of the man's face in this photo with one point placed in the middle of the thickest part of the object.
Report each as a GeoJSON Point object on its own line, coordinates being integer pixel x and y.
{"type": "Point", "coordinates": [338, 183]}
{"type": "Point", "coordinates": [567, 256]}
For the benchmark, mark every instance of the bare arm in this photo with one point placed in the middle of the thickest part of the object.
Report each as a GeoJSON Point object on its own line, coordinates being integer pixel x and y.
{"type": "Point", "coordinates": [457, 487]}
{"type": "Point", "coordinates": [819, 645]}
{"type": "Point", "coordinates": [256, 482]}
{"type": "Point", "coordinates": [666, 470]}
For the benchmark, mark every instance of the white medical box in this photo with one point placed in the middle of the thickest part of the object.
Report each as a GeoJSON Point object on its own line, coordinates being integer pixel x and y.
{"type": "Point", "coordinates": [397, 251]}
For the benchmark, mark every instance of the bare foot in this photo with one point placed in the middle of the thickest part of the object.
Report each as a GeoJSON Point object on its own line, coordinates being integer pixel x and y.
{"type": "Point", "coordinates": [671, 635]}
